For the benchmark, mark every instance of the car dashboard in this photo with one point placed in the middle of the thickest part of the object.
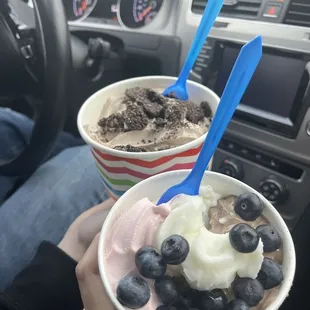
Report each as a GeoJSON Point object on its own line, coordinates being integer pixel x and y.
{"type": "Point", "coordinates": [272, 145]}
{"type": "Point", "coordinates": [282, 23]}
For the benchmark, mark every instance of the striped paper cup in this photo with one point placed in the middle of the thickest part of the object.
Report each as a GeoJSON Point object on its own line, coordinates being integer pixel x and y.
{"type": "Point", "coordinates": [154, 187]}
{"type": "Point", "coordinates": [121, 170]}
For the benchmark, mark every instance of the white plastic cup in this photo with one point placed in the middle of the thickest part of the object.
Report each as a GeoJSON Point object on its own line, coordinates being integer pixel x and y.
{"type": "Point", "coordinates": [121, 170]}
{"type": "Point", "coordinates": [154, 187]}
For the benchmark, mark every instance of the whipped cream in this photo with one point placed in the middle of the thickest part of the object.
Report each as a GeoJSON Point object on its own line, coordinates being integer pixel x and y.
{"type": "Point", "coordinates": [212, 262]}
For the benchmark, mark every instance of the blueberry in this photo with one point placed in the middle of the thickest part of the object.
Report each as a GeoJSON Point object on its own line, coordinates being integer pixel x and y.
{"type": "Point", "coordinates": [166, 308]}
{"type": "Point", "coordinates": [270, 237]}
{"type": "Point", "coordinates": [238, 304]}
{"type": "Point", "coordinates": [249, 290]}
{"type": "Point", "coordinates": [150, 263]}
{"type": "Point", "coordinates": [213, 300]}
{"type": "Point", "coordinates": [133, 292]}
{"type": "Point", "coordinates": [180, 306]}
{"type": "Point", "coordinates": [270, 274]}
{"type": "Point", "coordinates": [187, 295]}
{"type": "Point", "coordinates": [174, 250]}
{"type": "Point", "coordinates": [243, 238]}
{"type": "Point", "coordinates": [248, 206]}
{"type": "Point", "coordinates": [166, 290]}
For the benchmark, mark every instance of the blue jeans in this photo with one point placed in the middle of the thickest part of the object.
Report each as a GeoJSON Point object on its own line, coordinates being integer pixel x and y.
{"type": "Point", "coordinates": [45, 205]}
{"type": "Point", "coordinates": [15, 133]}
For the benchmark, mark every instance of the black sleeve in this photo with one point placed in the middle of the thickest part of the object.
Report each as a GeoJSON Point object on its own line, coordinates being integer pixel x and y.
{"type": "Point", "coordinates": [48, 283]}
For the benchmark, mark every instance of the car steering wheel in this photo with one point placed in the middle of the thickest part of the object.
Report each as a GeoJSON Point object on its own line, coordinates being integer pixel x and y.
{"type": "Point", "coordinates": [32, 60]}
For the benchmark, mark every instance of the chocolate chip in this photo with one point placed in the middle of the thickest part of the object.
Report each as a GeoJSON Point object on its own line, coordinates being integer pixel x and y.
{"type": "Point", "coordinates": [136, 93]}
{"type": "Point", "coordinates": [175, 113]}
{"type": "Point", "coordinates": [144, 96]}
{"type": "Point", "coordinates": [129, 148]}
{"type": "Point", "coordinates": [154, 96]}
{"type": "Point", "coordinates": [152, 109]}
{"type": "Point", "coordinates": [160, 122]}
{"type": "Point", "coordinates": [194, 113]}
{"type": "Point", "coordinates": [113, 123]}
{"type": "Point", "coordinates": [134, 118]}
{"type": "Point", "coordinates": [206, 109]}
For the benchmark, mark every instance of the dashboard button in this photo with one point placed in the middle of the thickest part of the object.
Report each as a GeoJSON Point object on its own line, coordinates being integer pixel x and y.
{"type": "Point", "coordinates": [272, 198]}
{"type": "Point", "coordinates": [231, 146]}
{"type": "Point", "coordinates": [266, 195]}
{"type": "Point", "coordinates": [273, 10]}
{"type": "Point", "coordinates": [232, 168]}
{"type": "Point", "coordinates": [258, 156]}
{"type": "Point", "coordinates": [273, 190]}
{"type": "Point", "coordinates": [245, 152]}
{"type": "Point", "coordinates": [273, 186]}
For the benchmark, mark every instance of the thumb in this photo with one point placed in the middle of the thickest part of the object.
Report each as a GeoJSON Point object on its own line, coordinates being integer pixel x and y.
{"type": "Point", "coordinates": [91, 226]}
{"type": "Point", "coordinates": [92, 290]}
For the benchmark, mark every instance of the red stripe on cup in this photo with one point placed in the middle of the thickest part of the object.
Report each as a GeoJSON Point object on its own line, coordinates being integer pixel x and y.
{"type": "Point", "coordinates": [137, 174]}
{"type": "Point", "coordinates": [149, 164]}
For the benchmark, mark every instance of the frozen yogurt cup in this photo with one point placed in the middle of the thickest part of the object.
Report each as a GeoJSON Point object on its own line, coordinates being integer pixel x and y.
{"type": "Point", "coordinates": [120, 170]}
{"type": "Point", "coordinates": [225, 186]}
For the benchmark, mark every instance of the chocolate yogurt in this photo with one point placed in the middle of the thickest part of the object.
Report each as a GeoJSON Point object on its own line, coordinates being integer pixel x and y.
{"type": "Point", "coordinates": [223, 218]}
{"type": "Point", "coordinates": [142, 120]}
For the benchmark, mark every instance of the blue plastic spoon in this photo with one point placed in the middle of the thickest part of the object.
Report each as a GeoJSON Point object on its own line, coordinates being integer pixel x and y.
{"type": "Point", "coordinates": [238, 81]}
{"type": "Point", "coordinates": [209, 16]}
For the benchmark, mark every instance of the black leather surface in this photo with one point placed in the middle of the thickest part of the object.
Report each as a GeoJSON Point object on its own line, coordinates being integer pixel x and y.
{"type": "Point", "coordinates": [54, 42]}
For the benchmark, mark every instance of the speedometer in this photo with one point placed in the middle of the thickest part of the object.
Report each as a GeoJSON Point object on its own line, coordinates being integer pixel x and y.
{"type": "Point", "coordinates": [78, 9]}
{"type": "Point", "coordinates": [138, 13]}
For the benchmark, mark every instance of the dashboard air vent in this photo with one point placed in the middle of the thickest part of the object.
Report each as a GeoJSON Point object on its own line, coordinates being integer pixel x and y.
{"type": "Point", "coordinates": [298, 13]}
{"type": "Point", "coordinates": [243, 9]}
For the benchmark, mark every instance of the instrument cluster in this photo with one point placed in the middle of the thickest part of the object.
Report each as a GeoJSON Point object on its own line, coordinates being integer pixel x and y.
{"type": "Point", "coordinates": [131, 14]}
